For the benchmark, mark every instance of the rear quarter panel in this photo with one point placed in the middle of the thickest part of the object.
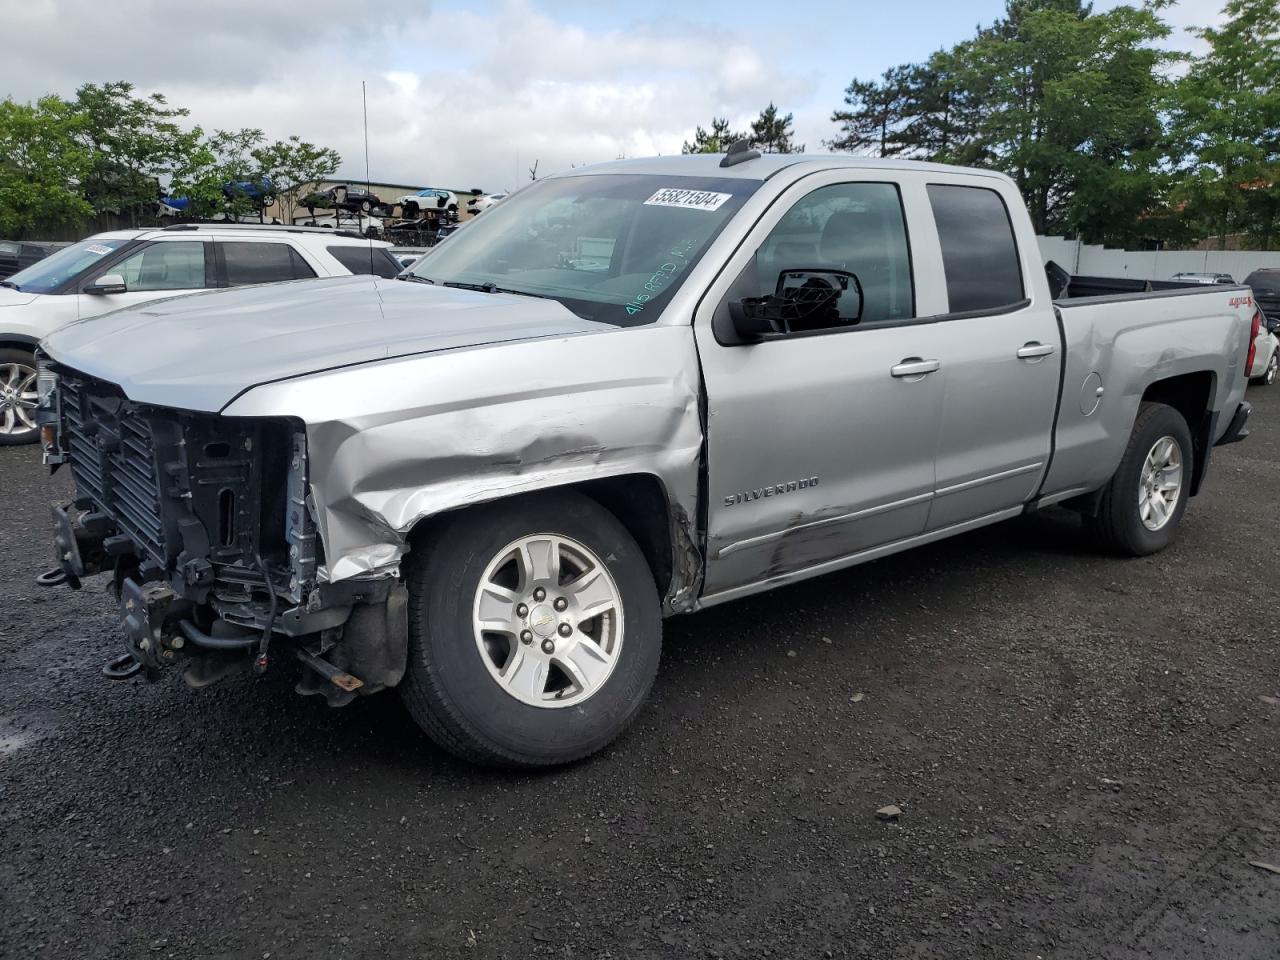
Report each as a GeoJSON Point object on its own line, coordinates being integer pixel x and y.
{"type": "Point", "coordinates": [1126, 344]}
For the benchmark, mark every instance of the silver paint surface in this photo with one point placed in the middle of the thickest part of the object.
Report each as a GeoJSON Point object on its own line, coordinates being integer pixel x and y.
{"type": "Point", "coordinates": [419, 400]}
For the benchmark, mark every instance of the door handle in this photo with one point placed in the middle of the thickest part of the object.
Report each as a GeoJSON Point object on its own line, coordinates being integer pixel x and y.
{"type": "Point", "coordinates": [1034, 351]}
{"type": "Point", "coordinates": [914, 367]}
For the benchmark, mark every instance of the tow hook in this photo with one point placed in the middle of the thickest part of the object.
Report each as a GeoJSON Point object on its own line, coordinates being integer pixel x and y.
{"type": "Point", "coordinates": [122, 667]}
{"type": "Point", "coordinates": [52, 578]}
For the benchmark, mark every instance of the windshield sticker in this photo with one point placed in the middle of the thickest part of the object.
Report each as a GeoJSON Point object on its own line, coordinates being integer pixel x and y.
{"type": "Point", "coordinates": [689, 199]}
{"type": "Point", "coordinates": [98, 248]}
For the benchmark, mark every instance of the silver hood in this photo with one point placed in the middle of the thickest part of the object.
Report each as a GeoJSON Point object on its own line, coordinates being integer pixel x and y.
{"type": "Point", "coordinates": [200, 351]}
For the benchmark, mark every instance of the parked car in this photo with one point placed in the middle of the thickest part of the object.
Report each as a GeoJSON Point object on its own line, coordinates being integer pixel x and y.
{"type": "Point", "coordinates": [17, 255]}
{"type": "Point", "coordinates": [260, 192]}
{"type": "Point", "coordinates": [484, 202]}
{"type": "Point", "coordinates": [1265, 284]}
{"type": "Point", "coordinates": [428, 199]}
{"type": "Point", "coordinates": [365, 225]}
{"type": "Point", "coordinates": [1206, 278]}
{"type": "Point", "coordinates": [1266, 354]}
{"type": "Point", "coordinates": [128, 267]}
{"type": "Point", "coordinates": [342, 197]}
{"type": "Point", "coordinates": [487, 481]}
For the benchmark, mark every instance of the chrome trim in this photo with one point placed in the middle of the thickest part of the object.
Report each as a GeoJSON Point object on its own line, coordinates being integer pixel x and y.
{"type": "Point", "coordinates": [1003, 475]}
{"type": "Point", "coordinates": [825, 521]}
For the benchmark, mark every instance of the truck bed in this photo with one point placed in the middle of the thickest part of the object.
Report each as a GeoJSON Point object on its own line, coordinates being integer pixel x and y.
{"type": "Point", "coordinates": [1121, 334]}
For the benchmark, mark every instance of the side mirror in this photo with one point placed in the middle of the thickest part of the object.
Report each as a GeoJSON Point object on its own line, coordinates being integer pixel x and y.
{"type": "Point", "coordinates": [1273, 325]}
{"type": "Point", "coordinates": [803, 300]}
{"type": "Point", "coordinates": [107, 283]}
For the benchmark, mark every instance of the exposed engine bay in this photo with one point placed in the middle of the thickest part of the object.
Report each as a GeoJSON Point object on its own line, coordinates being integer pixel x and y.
{"type": "Point", "coordinates": [205, 525]}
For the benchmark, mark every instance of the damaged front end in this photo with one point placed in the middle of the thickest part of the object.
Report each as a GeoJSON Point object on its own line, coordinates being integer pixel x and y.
{"type": "Point", "coordinates": [206, 526]}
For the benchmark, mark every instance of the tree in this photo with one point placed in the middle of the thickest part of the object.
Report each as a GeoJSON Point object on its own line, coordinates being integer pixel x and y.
{"type": "Point", "coordinates": [773, 133]}
{"type": "Point", "coordinates": [876, 115]}
{"type": "Point", "coordinates": [718, 140]}
{"type": "Point", "coordinates": [1067, 102]}
{"type": "Point", "coordinates": [1227, 117]}
{"type": "Point", "coordinates": [132, 141]}
{"type": "Point", "coordinates": [294, 167]}
{"type": "Point", "coordinates": [209, 174]}
{"type": "Point", "coordinates": [42, 163]}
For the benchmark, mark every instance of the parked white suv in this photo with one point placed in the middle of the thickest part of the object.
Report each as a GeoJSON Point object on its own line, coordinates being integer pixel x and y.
{"type": "Point", "coordinates": [127, 267]}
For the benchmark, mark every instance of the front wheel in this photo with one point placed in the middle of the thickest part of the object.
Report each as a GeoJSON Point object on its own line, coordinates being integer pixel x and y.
{"type": "Point", "coordinates": [1143, 503]}
{"type": "Point", "coordinates": [534, 631]}
{"type": "Point", "coordinates": [18, 397]}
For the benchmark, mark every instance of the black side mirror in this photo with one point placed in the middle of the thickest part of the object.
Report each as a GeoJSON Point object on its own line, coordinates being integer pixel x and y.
{"type": "Point", "coordinates": [1273, 325]}
{"type": "Point", "coordinates": [805, 299]}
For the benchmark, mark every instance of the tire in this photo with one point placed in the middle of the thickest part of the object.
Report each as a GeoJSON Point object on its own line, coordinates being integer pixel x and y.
{"type": "Point", "coordinates": [454, 685]}
{"type": "Point", "coordinates": [1273, 369]}
{"type": "Point", "coordinates": [1119, 525]}
{"type": "Point", "coordinates": [17, 397]}
{"type": "Point", "coordinates": [365, 206]}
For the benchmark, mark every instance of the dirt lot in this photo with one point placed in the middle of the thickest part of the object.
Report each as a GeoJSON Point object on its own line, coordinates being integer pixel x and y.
{"type": "Point", "coordinates": [1079, 745]}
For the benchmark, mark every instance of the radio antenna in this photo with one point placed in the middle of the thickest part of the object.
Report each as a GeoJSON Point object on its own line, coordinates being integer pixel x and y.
{"type": "Point", "coordinates": [368, 185]}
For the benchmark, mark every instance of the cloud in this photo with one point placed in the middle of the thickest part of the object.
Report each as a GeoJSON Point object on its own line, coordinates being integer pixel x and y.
{"type": "Point", "coordinates": [502, 91]}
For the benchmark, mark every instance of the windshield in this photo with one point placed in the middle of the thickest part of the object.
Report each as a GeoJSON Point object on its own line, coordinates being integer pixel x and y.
{"type": "Point", "coordinates": [610, 247]}
{"type": "Point", "coordinates": [53, 271]}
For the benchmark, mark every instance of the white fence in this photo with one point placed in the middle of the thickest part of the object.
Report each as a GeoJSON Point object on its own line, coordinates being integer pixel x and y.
{"type": "Point", "coordinates": [1095, 261]}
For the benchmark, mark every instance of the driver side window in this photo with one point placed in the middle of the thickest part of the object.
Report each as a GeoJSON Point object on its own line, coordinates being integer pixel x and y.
{"type": "Point", "coordinates": [856, 227]}
{"type": "Point", "coordinates": [168, 265]}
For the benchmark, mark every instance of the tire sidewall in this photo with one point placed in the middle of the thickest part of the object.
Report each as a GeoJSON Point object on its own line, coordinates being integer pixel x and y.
{"type": "Point", "coordinates": [14, 355]}
{"type": "Point", "coordinates": [443, 593]}
{"type": "Point", "coordinates": [1163, 421]}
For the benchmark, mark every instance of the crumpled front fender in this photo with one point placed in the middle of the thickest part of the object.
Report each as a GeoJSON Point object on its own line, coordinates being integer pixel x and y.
{"type": "Point", "coordinates": [394, 442]}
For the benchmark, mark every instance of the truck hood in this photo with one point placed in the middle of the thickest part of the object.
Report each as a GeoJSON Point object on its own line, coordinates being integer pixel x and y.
{"type": "Point", "coordinates": [200, 351]}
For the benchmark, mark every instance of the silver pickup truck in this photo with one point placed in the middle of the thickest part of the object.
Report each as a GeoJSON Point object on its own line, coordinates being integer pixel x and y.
{"type": "Point", "coordinates": [627, 392]}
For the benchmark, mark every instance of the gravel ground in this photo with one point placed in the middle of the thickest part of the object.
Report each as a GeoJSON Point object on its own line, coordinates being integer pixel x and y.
{"type": "Point", "coordinates": [1084, 751]}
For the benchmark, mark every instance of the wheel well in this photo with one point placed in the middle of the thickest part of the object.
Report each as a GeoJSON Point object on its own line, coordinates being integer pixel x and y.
{"type": "Point", "coordinates": [1191, 394]}
{"type": "Point", "coordinates": [9, 343]}
{"type": "Point", "coordinates": [638, 500]}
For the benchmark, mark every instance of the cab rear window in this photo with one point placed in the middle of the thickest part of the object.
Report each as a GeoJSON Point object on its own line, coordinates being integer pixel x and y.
{"type": "Point", "coordinates": [364, 260]}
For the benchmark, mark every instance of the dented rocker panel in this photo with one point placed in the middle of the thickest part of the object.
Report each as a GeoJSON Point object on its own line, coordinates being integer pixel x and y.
{"type": "Point", "coordinates": [395, 442]}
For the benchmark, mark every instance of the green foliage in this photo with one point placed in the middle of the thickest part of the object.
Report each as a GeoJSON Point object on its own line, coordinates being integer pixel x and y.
{"type": "Point", "coordinates": [42, 162]}
{"type": "Point", "coordinates": [294, 166]}
{"type": "Point", "coordinates": [772, 133]}
{"type": "Point", "coordinates": [132, 141]}
{"type": "Point", "coordinates": [1226, 120]}
{"type": "Point", "coordinates": [110, 154]}
{"type": "Point", "coordinates": [718, 140]}
{"type": "Point", "coordinates": [1083, 111]}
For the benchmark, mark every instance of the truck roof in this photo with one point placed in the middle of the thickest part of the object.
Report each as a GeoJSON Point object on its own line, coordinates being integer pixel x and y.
{"type": "Point", "coordinates": [764, 166]}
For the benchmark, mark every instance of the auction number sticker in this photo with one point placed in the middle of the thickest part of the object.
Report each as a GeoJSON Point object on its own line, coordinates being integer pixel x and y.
{"type": "Point", "coordinates": [689, 199]}
{"type": "Point", "coordinates": [98, 248]}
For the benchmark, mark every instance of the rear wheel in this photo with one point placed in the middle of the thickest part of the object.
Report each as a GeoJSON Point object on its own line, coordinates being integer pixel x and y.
{"type": "Point", "coordinates": [18, 397]}
{"type": "Point", "coordinates": [1143, 503]}
{"type": "Point", "coordinates": [534, 632]}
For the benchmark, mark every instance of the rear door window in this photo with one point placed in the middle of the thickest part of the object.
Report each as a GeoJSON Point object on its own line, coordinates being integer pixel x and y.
{"type": "Point", "coordinates": [979, 254]}
{"type": "Point", "coordinates": [375, 260]}
{"type": "Point", "coordinates": [247, 262]}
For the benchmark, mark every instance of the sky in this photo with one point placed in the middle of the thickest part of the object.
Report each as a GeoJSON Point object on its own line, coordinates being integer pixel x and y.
{"type": "Point", "coordinates": [473, 94]}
